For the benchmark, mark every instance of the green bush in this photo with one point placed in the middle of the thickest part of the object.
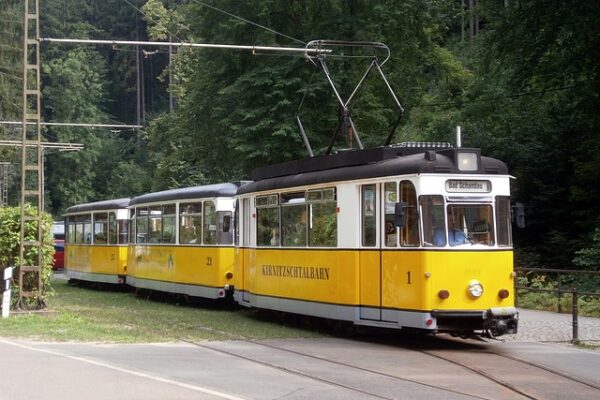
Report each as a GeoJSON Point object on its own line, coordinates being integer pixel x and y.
{"type": "Point", "coordinates": [10, 232]}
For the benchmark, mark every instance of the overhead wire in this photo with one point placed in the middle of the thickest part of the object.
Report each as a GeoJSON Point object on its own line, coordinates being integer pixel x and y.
{"type": "Point", "coordinates": [248, 21]}
{"type": "Point", "coordinates": [146, 15]}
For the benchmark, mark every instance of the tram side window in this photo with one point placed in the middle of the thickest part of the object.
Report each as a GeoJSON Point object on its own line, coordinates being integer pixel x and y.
{"type": "Point", "coordinates": [190, 223]}
{"type": "Point", "coordinates": [123, 226]}
{"type": "Point", "coordinates": [267, 220]}
{"type": "Point", "coordinates": [209, 226]}
{"type": "Point", "coordinates": [87, 228]}
{"type": "Point", "coordinates": [245, 222]}
{"type": "Point", "coordinates": [322, 224]}
{"type": "Point", "coordinates": [409, 233]}
{"type": "Point", "coordinates": [155, 224]}
{"type": "Point", "coordinates": [132, 225]}
{"type": "Point", "coordinates": [368, 215]}
{"type": "Point", "coordinates": [236, 223]}
{"type": "Point", "coordinates": [293, 219]}
{"type": "Point", "coordinates": [112, 228]}
{"type": "Point", "coordinates": [168, 223]}
{"type": "Point", "coordinates": [434, 229]}
{"type": "Point", "coordinates": [503, 221]}
{"type": "Point", "coordinates": [79, 234]}
{"type": "Point", "coordinates": [141, 223]}
{"type": "Point", "coordinates": [71, 230]}
{"type": "Point", "coordinates": [390, 198]}
{"type": "Point", "coordinates": [100, 228]}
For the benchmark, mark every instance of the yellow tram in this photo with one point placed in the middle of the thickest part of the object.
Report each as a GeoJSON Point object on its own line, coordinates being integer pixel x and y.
{"type": "Point", "coordinates": [181, 241]}
{"type": "Point", "coordinates": [416, 235]}
{"type": "Point", "coordinates": [96, 241]}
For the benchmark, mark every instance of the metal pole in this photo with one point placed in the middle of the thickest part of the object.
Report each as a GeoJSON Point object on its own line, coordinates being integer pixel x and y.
{"type": "Point", "coordinates": [8, 272]}
{"type": "Point", "coordinates": [76, 124]}
{"type": "Point", "coordinates": [183, 44]}
{"type": "Point", "coordinates": [575, 318]}
{"type": "Point", "coordinates": [304, 137]}
{"type": "Point", "coordinates": [170, 78]}
{"type": "Point", "coordinates": [559, 292]}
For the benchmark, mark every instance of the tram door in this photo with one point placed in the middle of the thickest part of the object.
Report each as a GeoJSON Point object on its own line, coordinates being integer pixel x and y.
{"type": "Point", "coordinates": [370, 254]}
{"type": "Point", "coordinates": [244, 249]}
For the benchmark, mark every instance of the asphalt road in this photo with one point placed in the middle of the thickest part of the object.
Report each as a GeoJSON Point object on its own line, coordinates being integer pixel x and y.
{"type": "Point", "coordinates": [329, 368]}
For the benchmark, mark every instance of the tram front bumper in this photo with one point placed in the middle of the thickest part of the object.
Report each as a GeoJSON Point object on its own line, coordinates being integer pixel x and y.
{"type": "Point", "coordinates": [496, 321]}
{"type": "Point", "coordinates": [502, 320]}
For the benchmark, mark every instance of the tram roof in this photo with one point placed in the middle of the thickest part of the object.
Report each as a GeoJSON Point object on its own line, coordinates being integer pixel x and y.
{"type": "Point", "coordinates": [364, 164]}
{"type": "Point", "coordinates": [99, 205]}
{"type": "Point", "coordinates": [195, 192]}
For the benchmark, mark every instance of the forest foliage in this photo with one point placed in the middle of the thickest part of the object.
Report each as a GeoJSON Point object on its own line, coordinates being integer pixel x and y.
{"type": "Point", "coordinates": [524, 84]}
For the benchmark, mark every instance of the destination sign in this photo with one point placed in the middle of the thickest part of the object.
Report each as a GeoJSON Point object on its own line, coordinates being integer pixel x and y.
{"type": "Point", "coordinates": [468, 186]}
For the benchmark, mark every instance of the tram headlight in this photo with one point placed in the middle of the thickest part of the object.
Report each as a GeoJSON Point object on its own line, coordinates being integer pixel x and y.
{"type": "Point", "coordinates": [467, 161]}
{"type": "Point", "coordinates": [475, 289]}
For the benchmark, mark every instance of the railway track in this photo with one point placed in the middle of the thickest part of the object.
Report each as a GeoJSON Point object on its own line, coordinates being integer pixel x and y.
{"type": "Point", "coordinates": [332, 382]}
{"type": "Point", "coordinates": [507, 377]}
{"type": "Point", "coordinates": [526, 379]}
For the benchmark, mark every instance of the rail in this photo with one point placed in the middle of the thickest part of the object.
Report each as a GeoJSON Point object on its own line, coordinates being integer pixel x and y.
{"type": "Point", "coordinates": [560, 290]}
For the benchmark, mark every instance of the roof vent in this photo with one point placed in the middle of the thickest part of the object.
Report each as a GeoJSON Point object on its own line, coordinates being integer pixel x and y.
{"type": "Point", "coordinates": [423, 145]}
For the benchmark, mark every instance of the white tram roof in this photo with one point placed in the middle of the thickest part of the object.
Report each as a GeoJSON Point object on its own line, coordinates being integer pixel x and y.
{"type": "Point", "coordinates": [113, 204]}
{"type": "Point", "coordinates": [195, 192]}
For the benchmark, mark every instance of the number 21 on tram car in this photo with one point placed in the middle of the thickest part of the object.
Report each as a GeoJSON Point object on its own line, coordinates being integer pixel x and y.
{"type": "Point", "coordinates": [405, 236]}
{"type": "Point", "coordinates": [181, 241]}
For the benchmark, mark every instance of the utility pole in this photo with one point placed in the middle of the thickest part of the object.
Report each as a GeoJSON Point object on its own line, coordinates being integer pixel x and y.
{"type": "Point", "coordinates": [31, 290]}
{"type": "Point", "coordinates": [4, 183]}
{"type": "Point", "coordinates": [30, 279]}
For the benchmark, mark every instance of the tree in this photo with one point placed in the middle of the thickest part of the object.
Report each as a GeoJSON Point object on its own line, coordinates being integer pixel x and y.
{"type": "Point", "coordinates": [80, 86]}
{"type": "Point", "coordinates": [237, 109]}
{"type": "Point", "coordinates": [533, 104]}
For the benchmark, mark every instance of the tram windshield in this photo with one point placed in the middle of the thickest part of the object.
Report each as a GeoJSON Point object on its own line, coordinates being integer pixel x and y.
{"type": "Point", "coordinates": [460, 224]}
{"type": "Point", "coordinates": [470, 223]}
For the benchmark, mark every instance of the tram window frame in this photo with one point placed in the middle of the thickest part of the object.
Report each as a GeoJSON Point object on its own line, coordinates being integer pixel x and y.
{"type": "Point", "coordinates": [168, 224]}
{"type": "Point", "coordinates": [113, 237]}
{"type": "Point", "coordinates": [87, 228]}
{"type": "Point", "coordinates": [236, 224]}
{"type": "Point", "coordinates": [190, 223]}
{"type": "Point", "coordinates": [471, 224]}
{"type": "Point", "coordinates": [409, 233]}
{"type": "Point", "coordinates": [131, 227]}
{"type": "Point", "coordinates": [123, 231]}
{"type": "Point", "coordinates": [245, 222]}
{"type": "Point", "coordinates": [294, 219]}
{"type": "Point", "coordinates": [322, 217]}
{"type": "Point", "coordinates": [268, 230]}
{"type": "Point", "coordinates": [433, 220]}
{"type": "Point", "coordinates": [141, 225]}
{"type": "Point", "coordinates": [503, 222]}
{"type": "Point", "coordinates": [368, 215]}
{"type": "Point", "coordinates": [155, 224]}
{"type": "Point", "coordinates": [79, 233]}
{"type": "Point", "coordinates": [70, 230]}
{"type": "Point", "coordinates": [100, 228]}
{"type": "Point", "coordinates": [389, 228]}
{"type": "Point", "coordinates": [209, 223]}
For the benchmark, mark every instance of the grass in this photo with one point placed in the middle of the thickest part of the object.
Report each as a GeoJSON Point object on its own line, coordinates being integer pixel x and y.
{"type": "Point", "coordinates": [91, 315]}
{"type": "Point", "coordinates": [588, 346]}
